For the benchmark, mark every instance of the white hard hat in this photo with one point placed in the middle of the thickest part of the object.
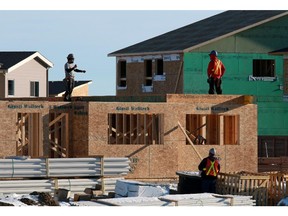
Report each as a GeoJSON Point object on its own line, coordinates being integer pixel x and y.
{"type": "Point", "coordinates": [212, 151]}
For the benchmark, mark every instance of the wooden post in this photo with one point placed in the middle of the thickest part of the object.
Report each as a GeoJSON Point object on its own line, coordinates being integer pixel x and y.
{"type": "Point", "coordinates": [183, 130]}
{"type": "Point", "coordinates": [178, 76]}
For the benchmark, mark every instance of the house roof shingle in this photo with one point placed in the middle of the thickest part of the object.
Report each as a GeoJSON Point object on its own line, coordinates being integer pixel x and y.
{"type": "Point", "coordinates": [57, 87]}
{"type": "Point", "coordinates": [10, 59]}
{"type": "Point", "coordinates": [202, 31]}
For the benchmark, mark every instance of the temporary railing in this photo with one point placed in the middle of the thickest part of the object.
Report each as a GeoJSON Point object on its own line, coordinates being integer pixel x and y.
{"type": "Point", "coordinates": [244, 183]}
{"type": "Point", "coordinates": [63, 167]}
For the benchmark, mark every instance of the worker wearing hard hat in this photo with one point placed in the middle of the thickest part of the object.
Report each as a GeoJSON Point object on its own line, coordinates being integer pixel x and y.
{"type": "Point", "coordinates": [215, 71]}
{"type": "Point", "coordinates": [209, 168]}
{"type": "Point", "coordinates": [69, 82]}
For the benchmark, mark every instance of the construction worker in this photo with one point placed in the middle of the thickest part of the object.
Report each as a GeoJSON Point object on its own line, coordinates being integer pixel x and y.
{"type": "Point", "coordinates": [209, 168]}
{"type": "Point", "coordinates": [69, 82]}
{"type": "Point", "coordinates": [215, 71]}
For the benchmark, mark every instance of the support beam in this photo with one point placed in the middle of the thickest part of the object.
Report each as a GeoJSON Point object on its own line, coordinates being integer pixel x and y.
{"type": "Point", "coordinates": [183, 130]}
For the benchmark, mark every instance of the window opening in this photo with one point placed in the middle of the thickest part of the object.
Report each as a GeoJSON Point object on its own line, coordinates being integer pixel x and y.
{"type": "Point", "coordinates": [11, 87]}
{"type": "Point", "coordinates": [212, 129]}
{"type": "Point", "coordinates": [263, 68]}
{"type": "Point", "coordinates": [135, 128]}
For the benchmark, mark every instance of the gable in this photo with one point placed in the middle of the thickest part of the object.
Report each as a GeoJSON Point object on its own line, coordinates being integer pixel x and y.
{"type": "Point", "coordinates": [12, 60]}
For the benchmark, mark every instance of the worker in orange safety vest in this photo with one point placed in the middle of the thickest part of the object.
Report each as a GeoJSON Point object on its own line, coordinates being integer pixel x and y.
{"type": "Point", "coordinates": [209, 168]}
{"type": "Point", "coordinates": [215, 71]}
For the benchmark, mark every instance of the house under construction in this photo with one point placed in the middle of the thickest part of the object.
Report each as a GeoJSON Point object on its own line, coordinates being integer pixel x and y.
{"type": "Point", "coordinates": [160, 135]}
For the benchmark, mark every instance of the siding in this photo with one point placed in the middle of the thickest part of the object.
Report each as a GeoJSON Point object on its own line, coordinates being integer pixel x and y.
{"type": "Point", "coordinates": [31, 71]}
{"type": "Point", "coordinates": [2, 85]}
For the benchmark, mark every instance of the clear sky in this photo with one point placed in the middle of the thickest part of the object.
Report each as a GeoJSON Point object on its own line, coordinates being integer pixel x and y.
{"type": "Point", "coordinates": [91, 32]}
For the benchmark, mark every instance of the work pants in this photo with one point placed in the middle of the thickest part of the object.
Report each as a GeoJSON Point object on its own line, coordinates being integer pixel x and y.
{"type": "Point", "coordinates": [69, 86]}
{"type": "Point", "coordinates": [215, 83]}
{"type": "Point", "coordinates": [209, 185]}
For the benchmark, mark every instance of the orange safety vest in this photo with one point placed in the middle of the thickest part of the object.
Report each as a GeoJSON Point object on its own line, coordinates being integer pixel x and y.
{"type": "Point", "coordinates": [215, 69]}
{"type": "Point", "coordinates": [211, 168]}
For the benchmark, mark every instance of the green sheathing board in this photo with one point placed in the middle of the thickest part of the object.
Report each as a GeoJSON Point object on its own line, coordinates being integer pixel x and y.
{"type": "Point", "coordinates": [264, 38]}
{"type": "Point", "coordinates": [272, 110]}
{"type": "Point", "coordinates": [237, 53]}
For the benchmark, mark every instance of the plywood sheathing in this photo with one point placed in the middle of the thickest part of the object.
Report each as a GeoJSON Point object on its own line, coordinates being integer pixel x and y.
{"type": "Point", "coordinates": [163, 160]}
{"type": "Point", "coordinates": [88, 126]}
{"type": "Point", "coordinates": [135, 77]}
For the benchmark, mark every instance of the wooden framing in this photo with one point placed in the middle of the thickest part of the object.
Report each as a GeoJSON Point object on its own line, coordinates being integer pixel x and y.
{"type": "Point", "coordinates": [29, 135]}
{"type": "Point", "coordinates": [135, 128]}
{"type": "Point", "coordinates": [213, 129]}
{"type": "Point", "coordinates": [58, 135]}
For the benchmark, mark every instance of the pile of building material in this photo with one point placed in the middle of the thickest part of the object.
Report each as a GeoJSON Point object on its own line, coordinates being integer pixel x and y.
{"type": "Point", "coordinates": [50, 185]}
{"type": "Point", "coordinates": [25, 175]}
{"type": "Point", "coordinates": [205, 199]}
{"type": "Point", "coordinates": [129, 188]}
{"type": "Point", "coordinates": [135, 201]}
{"type": "Point", "coordinates": [209, 199]}
{"type": "Point", "coordinates": [63, 167]}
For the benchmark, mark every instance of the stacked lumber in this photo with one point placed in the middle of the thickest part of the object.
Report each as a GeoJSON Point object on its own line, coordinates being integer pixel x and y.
{"type": "Point", "coordinates": [205, 199]}
{"type": "Point", "coordinates": [50, 185]}
{"type": "Point", "coordinates": [63, 167]}
{"type": "Point", "coordinates": [134, 201]}
{"type": "Point", "coordinates": [209, 199]}
{"type": "Point", "coordinates": [129, 188]}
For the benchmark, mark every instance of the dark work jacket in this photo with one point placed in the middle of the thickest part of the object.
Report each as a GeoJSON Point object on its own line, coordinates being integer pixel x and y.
{"type": "Point", "coordinates": [203, 165]}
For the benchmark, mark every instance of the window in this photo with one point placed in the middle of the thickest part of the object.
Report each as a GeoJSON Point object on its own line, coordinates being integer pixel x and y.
{"type": "Point", "coordinates": [34, 88]}
{"type": "Point", "coordinates": [272, 146]}
{"type": "Point", "coordinates": [212, 129]}
{"type": "Point", "coordinates": [11, 87]}
{"type": "Point", "coordinates": [148, 72]}
{"type": "Point", "coordinates": [135, 129]}
{"type": "Point", "coordinates": [263, 68]}
{"type": "Point", "coordinates": [122, 74]}
{"type": "Point", "coordinates": [159, 66]}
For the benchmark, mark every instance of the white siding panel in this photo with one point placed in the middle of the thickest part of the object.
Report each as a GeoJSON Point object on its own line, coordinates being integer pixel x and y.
{"type": "Point", "coordinates": [31, 71]}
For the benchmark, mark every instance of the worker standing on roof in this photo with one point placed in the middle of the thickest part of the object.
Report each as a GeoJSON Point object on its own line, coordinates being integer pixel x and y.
{"type": "Point", "coordinates": [69, 82]}
{"type": "Point", "coordinates": [215, 71]}
{"type": "Point", "coordinates": [209, 168]}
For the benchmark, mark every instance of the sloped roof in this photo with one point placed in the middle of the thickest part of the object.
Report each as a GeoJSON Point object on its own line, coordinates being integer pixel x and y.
{"type": "Point", "coordinates": [280, 51]}
{"type": "Point", "coordinates": [202, 32]}
{"type": "Point", "coordinates": [12, 59]}
{"type": "Point", "coordinates": [57, 87]}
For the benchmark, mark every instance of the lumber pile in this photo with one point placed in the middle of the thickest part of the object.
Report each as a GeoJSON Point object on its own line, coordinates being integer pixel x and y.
{"type": "Point", "coordinates": [205, 199]}
{"type": "Point", "coordinates": [208, 199]}
{"type": "Point", "coordinates": [129, 188]}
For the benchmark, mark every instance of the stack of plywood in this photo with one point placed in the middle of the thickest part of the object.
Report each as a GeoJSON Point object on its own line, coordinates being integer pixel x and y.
{"type": "Point", "coordinates": [204, 199]}
{"type": "Point", "coordinates": [128, 188]}
{"type": "Point", "coordinates": [209, 199]}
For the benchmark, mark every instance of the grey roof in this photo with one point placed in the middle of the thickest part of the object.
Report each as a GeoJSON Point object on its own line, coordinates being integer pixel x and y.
{"type": "Point", "coordinates": [280, 51]}
{"type": "Point", "coordinates": [202, 31]}
{"type": "Point", "coordinates": [57, 87]}
{"type": "Point", "coordinates": [9, 59]}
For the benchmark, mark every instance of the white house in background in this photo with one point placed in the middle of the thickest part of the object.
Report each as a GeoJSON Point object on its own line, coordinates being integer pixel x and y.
{"type": "Point", "coordinates": [23, 74]}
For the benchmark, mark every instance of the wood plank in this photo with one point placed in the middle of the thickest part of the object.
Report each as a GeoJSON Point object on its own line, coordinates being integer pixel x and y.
{"type": "Point", "coordinates": [183, 130]}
